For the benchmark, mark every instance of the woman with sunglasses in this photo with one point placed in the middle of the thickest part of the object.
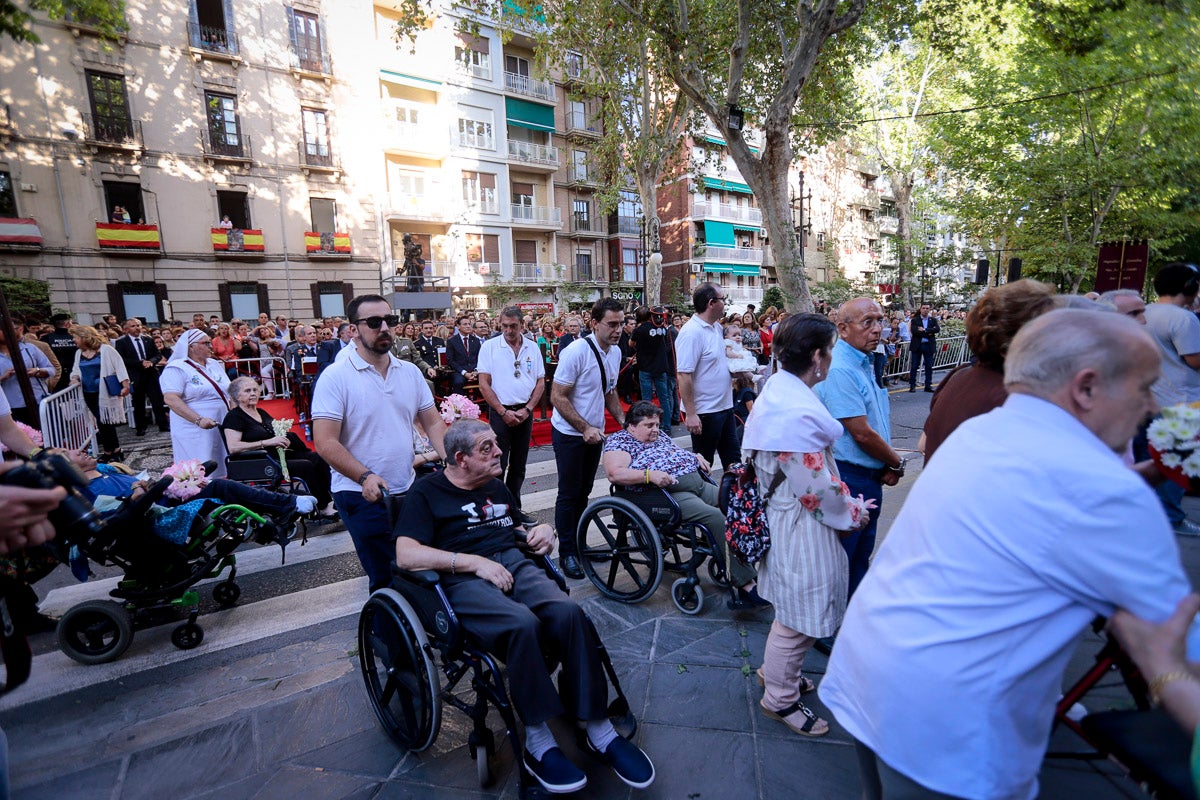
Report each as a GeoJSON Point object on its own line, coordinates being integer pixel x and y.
{"type": "Point", "coordinates": [196, 389]}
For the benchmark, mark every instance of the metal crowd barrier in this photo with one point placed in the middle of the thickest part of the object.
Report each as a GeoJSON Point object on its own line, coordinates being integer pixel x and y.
{"type": "Point", "coordinates": [274, 381]}
{"type": "Point", "coordinates": [949, 353]}
{"type": "Point", "coordinates": [66, 420]}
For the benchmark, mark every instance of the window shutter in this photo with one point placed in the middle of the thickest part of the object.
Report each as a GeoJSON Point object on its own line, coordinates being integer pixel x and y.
{"type": "Point", "coordinates": [316, 299]}
{"type": "Point", "coordinates": [347, 296]}
{"type": "Point", "coordinates": [116, 300]}
{"type": "Point", "coordinates": [525, 189]}
{"type": "Point", "coordinates": [291, 18]}
{"type": "Point", "coordinates": [264, 300]}
{"type": "Point", "coordinates": [224, 300]}
{"type": "Point", "coordinates": [525, 251]}
{"type": "Point", "coordinates": [491, 248]}
{"type": "Point", "coordinates": [487, 181]}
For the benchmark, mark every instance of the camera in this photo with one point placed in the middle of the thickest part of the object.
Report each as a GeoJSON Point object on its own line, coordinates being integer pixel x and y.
{"type": "Point", "coordinates": [74, 519]}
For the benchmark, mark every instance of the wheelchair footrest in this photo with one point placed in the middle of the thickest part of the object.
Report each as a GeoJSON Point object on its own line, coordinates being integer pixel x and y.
{"type": "Point", "coordinates": [1150, 744]}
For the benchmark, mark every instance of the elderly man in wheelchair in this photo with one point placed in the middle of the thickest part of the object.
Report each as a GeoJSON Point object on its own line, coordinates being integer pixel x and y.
{"type": "Point", "coordinates": [459, 523]}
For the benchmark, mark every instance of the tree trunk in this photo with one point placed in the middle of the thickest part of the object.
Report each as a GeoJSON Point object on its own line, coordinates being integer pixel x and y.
{"type": "Point", "coordinates": [902, 188]}
{"type": "Point", "coordinates": [647, 183]}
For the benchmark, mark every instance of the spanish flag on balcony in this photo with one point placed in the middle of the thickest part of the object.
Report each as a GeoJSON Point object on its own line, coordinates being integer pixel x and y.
{"type": "Point", "coordinates": [20, 231]}
{"type": "Point", "coordinates": [327, 243]}
{"type": "Point", "coordinates": [237, 241]}
{"type": "Point", "coordinates": [128, 237]}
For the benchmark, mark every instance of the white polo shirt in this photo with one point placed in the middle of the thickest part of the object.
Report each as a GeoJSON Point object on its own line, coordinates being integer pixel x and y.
{"type": "Point", "coordinates": [376, 414]}
{"type": "Point", "coordinates": [514, 375]}
{"type": "Point", "coordinates": [700, 350]}
{"type": "Point", "coordinates": [577, 368]}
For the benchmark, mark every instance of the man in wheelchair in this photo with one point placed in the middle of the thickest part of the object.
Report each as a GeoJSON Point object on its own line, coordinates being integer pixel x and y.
{"type": "Point", "coordinates": [460, 523]}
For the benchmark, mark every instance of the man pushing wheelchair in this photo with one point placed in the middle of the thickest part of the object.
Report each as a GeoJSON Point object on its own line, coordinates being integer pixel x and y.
{"type": "Point", "coordinates": [460, 523]}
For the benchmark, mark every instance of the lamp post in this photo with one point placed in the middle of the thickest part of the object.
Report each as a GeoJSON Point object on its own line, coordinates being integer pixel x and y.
{"type": "Point", "coordinates": [799, 216]}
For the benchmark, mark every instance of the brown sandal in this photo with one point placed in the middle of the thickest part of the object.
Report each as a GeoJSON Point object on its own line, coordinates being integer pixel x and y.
{"type": "Point", "coordinates": [787, 717]}
{"type": "Point", "coordinates": [805, 686]}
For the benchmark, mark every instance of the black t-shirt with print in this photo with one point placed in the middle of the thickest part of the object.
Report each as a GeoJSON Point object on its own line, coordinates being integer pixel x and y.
{"type": "Point", "coordinates": [652, 348]}
{"type": "Point", "coordinates": [439, 514]}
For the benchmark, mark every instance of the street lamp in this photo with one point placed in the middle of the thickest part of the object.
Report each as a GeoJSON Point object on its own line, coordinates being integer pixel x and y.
{"type": "Point", "coordinates": [737, 118]}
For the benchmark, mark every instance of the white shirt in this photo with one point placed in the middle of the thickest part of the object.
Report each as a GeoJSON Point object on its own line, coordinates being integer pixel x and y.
{"type": "Point", "coordinates": [577, 368]}
{"type": "Point", "coordinates": [951, 655]}
{"type": "Point", "coordinates": [376, 414]}
{"type": "Point", "coordinates": [700, 350]}
{"type": "Point", "coordinates": [497, 359]}
{"type": "Point", "coordinates": [1177, 332]}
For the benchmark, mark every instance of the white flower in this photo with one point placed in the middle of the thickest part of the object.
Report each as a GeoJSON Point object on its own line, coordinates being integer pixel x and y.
{"type": "Point", "coordinates": [1191, 466]}
{"type": "Point", "coordinates": [1160, 437]}
{"type": "Point", "coordinates": [1171, 460]}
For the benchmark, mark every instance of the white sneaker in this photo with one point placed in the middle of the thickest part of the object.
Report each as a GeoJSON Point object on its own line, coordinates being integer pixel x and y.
{"type": "Point", "coordinates": [1185, 527]}
{"type": "Point", "coordinates": [305, 504]}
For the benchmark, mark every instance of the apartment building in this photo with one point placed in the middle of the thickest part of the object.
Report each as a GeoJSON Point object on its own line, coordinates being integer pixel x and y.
{"type": "Point", "coordinates": [193, 165]}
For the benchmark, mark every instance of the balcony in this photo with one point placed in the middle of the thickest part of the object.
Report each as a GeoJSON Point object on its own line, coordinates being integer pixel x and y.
{"type": "Point", "coordinates": [213, 42]}
{"type": "Point", "coordinates": [734, 255]}
{"type": "Point", "coordinates": [530, 87]}
{"type": "Point", "coordinates": [524, 273]}
{"type": "Point", "coordinates": [535, 216]}
{"type": "Point", "coordinates": [744, 294]}
{"type": "Point", "coordinates": [475, 141]}
{"type": "Point", "coordinates": [888, 226]}
{"type": "Point", "coordinates": [134, 239]}
{"type": "Point", "coordinates": [626, 226]}
{"type": "Point", "coordinates": [702, 209]}
{"type": "Point", "coordinates": [222, 146]}
{"type": "Point", "coordinates": [412, 138]}
{"type": "Point", "coordinates": [313, 160]}
{"type": "Point", "coordinates": [311, 63]}
{"type": "Point", "coordinates": [112, 133]}
{"type": "Point", "coordinates": [582, 223]}
{"type": "Point", "coordinates": [481, 71]}
{"type": "Point", "coordinates": [430, 207]}
{"type": "Point", "coordinates": [481, 205]}
{"type": "Point", "coordinates": [536, 155]}
{"type": "Point", "coordinates": [580, 124]}
{"type": "Point", "coordinates": [589, 274]}
{"type": "Point", "coordinates": [235, 242]}
{"type": "Point", "coordinates": [327, 245]}
{"type": "Point", "coordinates": [578, 174]}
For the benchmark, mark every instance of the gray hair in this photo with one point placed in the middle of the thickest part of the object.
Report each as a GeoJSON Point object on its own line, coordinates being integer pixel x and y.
{"type": "Point", "coordinates": [1051, 349]}
{"type": "Point", "coordinates": [512, 312]}
{"type": "Point", "coordinates": [460, 437]}
{"type": "Point", "coordinates": [239, 383]}
{"type": "Point", "coordinates": [1111, 295]}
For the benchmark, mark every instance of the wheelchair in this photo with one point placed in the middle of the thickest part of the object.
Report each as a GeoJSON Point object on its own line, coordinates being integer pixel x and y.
{"type": "Point", "coordinates": [627, 540]}
{"type": "Point", "coordinates": [408, 634]}
{"type": "Point", "coordinates": [159, 574]}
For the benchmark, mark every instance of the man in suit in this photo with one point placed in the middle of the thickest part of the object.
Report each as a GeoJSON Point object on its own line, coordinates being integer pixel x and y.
{"type": "Point", "coordinates": [924, 329]}
{"type": "Point", "coordinates": [572, 325]}
{"type": "Point", "coordinates": [427, 344]}
{"type": "Point", "coordinates": [462, 353]}
{"type": "Point", "coordinates": [307, 348]}
{"type": "Point", "coordinates": [328, 350]}
{"type": "Point", "coordinates": [405, 350]}
{"type": "Point", "coordinates": [141, 359]}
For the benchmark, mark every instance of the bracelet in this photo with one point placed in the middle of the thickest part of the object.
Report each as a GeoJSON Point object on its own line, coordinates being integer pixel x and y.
{"type": "Point", "coordinates": [1161, 681]}
{"type": "Point", "coordinates": [362, 478]}
{"type": "Point", "coordinates": [647, 477]}
{"type": "Point", "coordinates": [453, 563]}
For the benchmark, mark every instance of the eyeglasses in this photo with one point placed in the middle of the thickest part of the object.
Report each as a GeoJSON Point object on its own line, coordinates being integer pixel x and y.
{"type": "Point", "coordinates": [375, 323]}
{"type": "Point", "coordinates": [867, 324]}
{"type": "Point", "coordinates": [721, 298]}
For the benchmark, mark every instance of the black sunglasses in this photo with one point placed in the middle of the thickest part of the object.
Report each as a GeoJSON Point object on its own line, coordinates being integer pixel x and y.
{"type": "Point", "coordinates": [375, 323]}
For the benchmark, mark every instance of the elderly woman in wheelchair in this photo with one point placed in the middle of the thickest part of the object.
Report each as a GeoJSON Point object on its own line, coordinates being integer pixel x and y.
{"type": "Point", "coordinates": [459, 523]}
{"type": "Point", "coordinates": [639, 456]}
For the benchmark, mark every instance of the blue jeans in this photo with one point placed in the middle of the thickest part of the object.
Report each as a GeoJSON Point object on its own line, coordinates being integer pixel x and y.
{"type": "Point", "coordinates": [860, 544]}
{"type": "Point", "coordinates": [371, 534]}
{"type": "Point", "coordinates": [658, 383]}
{"type": "Point", "coordinates": [718, 434]}
{"type": "Point", "coordinates": [673, 393]}
{"type": "Point", "coordinates": [577, 463]}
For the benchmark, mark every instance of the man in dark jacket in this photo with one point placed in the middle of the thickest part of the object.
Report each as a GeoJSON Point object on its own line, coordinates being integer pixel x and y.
{"type": "Point", "coordinates": [141, 359]}
{"type": "Point", "coordinates": [924, 329]}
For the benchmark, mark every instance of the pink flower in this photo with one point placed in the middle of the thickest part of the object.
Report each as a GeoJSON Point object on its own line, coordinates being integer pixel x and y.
{"type": "Point", "coordinates": [855, 512]}
{"type": "Point", "coordinates": [189, 479]}
{"type": "Point", "coordinates": [814, 461]}
{"type": "Point", "coordinates": [457, 406]}
{"type": "Point", "coordinates": [783, 458]}
{"type": "Point", "coordinates": [34, 435]}
{"type": "Point", "coordinates": [810, 502]}
{"type": "Point", "coordinates": [845, 489]}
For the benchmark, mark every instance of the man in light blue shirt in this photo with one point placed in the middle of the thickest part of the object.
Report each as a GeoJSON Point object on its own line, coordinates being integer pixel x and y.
{"type": "Point", "coordinates": [864, 454]}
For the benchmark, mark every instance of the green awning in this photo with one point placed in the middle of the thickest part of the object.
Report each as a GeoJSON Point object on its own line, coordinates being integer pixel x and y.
{"type": "Point", "coordinates": [724, 185]}
{"type": "Point", "coordinates": [525, 114]}
{"type": "Point", "coordinates": [409, 80]}
{"type": "Point", "coordinates": [718, 268]}
{"type": "Point", "coordinates": [713, 140]}
{"type": "Point", "coordinates": [746, 226]}
{"type": "Point", "coordinates": [751, 270]}
{"type": "Point", "coordinates": [719, 234]}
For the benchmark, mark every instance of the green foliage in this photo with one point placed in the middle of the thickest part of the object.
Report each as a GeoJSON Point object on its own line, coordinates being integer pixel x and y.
{"type": "Point", "coordinates": [105, 16]}
{"type": "Point", "coordinates": [773, 296]}
{"type": "Point", "coordinates": [838, 289]}
{"type": "Point", "coordinates": [676, 298]}
{"type": "Point", "coordinates": [26, 296]}
{"type": "Point", "coordinates": [501, 294]}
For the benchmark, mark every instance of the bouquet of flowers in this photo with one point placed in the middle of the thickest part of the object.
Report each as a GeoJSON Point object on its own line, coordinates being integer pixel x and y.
{"type": "Point", "coordinates": [189, 479]}
{"type": "Point", "coordinates": [1175, 443]}
{"type": "Point", "coordinates": [281, 428]}
{"type": "Point", "coordinates": [456, 407]}
{"type": "Point", "coordinates": [34, 435]}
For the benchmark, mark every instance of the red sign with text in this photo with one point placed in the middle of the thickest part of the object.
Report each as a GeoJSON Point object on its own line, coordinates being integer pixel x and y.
{"type": "Point", "coordinates": [1122, 265]}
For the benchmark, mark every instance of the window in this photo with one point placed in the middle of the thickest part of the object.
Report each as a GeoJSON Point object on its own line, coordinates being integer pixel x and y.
{"type": "Point", "coordinates": [631, 270]}
{"type": "Point", "coordinates": [868, 180]}
{"type": "Point", "coordinates": [515, 65]}
{"type": "Point", "coordinates": [583, 265]}
{"type": "Point", "coordinates": [224, 135]}
{"type": "Point", "coordinates": [126, 195]}
{"type": "Point", "coordinates": [408, 184]}
{"type": "Point", "coordinates": [408, 114]}
{"type": "Point", "coordinates": [579, 166]}
{"type": "Point", "coordinates": [316, 137]}
{"type": "Point", "coordinates": [143, 300]}
{"type": "Point", "coordinates": [472, 55]}
{"type": "Point", "coordinates": [483, 248]}
{"type": "Point", "coordinates": [522, 194]}
{"type": "Point", "coordinates": [243, 300]}
{"type": "Point", "coordinates": [475, 128]}
{"type": "Point", "coordinates": [574, 64]}
{"type": "Point", "coordinates": [866, 214]}
{"type": "Point", "coordinates": [330, 298]}
{"type": "Point", "coordinates": [307, 41]}
{"type": "Point", "coordinates": [576, 115]}
{"type": "Point", "coordinates": [479, 191]}
{"type": "Point", "coordinates": [111, 121]}
{"type": "Point", "coordinates": [209, 30]}
{"type": "Point", "coordinates": [887, 208]}
{"type": "Point", "coordinates": [524, 251]}
{"type": "Point", "coordinates": [820, 240]}
{"type": "Point", "coordinates": [8, 198]}
{"type": "Point", "coordinates": [236, 206]}
{"type": "Point", "coordinates": [324, 216]}
{"type": "Point", "coordinates": [581, 212]}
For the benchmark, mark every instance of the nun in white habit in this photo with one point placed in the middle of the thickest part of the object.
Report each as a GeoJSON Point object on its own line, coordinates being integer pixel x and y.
{"type": "Point", "coordinates": [196, 389]}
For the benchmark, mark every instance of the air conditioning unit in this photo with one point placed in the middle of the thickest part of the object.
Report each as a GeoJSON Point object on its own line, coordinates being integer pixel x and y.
{"type": "Point", "coordinates": [696, 268]}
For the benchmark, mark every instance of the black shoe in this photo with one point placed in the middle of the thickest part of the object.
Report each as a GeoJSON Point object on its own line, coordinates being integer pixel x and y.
{"type": "Point", "coordinates": [525, 519]}
{"type": "Point", "coordinates": [570, 567]}
{"type": "Point", "coordinates": [554, 772]}
{"type": "Point", "coordinates": [631, 764]}
{"type": "Point", "coordinates": [747, 600]}
{"type": "Point", "coordinates": [912, 388]}
{"type": "Point", "coordinates": [929, 389]}
{"type": "Point", "coordinates": [142, 432]}
{"type": "Point", "coordinates": [825, 646]}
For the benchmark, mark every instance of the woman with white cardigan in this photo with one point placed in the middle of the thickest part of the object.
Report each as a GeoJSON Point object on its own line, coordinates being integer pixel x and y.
{"type": "Point", "coordinates": [99, 368]}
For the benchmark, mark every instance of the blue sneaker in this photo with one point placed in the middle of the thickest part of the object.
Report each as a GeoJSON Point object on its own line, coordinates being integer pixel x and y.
{"type": "Point", "coordinates": [628, 760]}
{"type": "Point", "coordinates": [554, 772]}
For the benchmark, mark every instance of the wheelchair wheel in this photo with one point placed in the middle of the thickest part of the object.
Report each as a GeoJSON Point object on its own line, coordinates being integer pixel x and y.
{"type": "Point", "coordinates": [401, 681]}
{"type": "Point", "coordinates": [619, 550]}
{"type": "Point", "coordinates": [95, 632]}
{"type": "Point", "coordinates": [226, 594]}
{"type": "Point", "coordinates": [687, 597]}
{"type": "Point", "coordinates": [718, 574]}
{"type": "Point", "coordinates": [187, 636]}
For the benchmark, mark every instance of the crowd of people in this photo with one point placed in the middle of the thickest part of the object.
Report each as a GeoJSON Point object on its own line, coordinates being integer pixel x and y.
{"type": "Point", "coordinates": [948, 645]}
